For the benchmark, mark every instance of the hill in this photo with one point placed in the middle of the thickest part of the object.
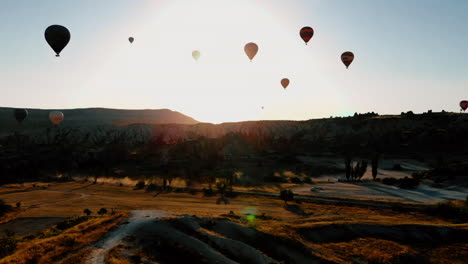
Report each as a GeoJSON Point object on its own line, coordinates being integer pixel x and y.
{"type": "Point", "coordinates": [92, 117]}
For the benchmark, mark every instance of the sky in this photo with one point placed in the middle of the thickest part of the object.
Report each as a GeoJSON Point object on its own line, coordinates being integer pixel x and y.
{"type": "Point", "coordinates": [409, 55]}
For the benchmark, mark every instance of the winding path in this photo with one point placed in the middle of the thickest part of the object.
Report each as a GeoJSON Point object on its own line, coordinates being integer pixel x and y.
{"type": "Point", "coordinates": [127, 227]}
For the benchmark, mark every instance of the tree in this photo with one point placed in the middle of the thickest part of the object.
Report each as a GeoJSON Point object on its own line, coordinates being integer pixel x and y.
{"type": "Point", "coordinates": [348, 167]}
{"type": "Point", "coordinates": [87, 212]}
{"type": "Point", "coordinates": [286, 195]}
{"type": "Point", "coordinates": [359, 170]}
{"type": "Point", "coordinates": [140, 185]}
{"type": "Point", "coordinates": [375, 164]}
{"type": "Point", "coordinates": [102, 211]}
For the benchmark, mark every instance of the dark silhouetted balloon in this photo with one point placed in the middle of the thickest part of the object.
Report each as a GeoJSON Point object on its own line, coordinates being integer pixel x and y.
{"type": "Point", "coordinates": [196, 55]}
{"type": "Point", "coordinates": [251, 50]}
{"type": "Point", "coordinates": [56, 117]}
{"type": "Point", "coordinates": [306, 34]}
{"type": "Point", "coordinates": [20, 114]}
{"type": "Point", "coordinates": [464, 105]}
{"type": "Point", "coordinates": [347, 58]}
{"type": "Point", "coordinates": [131, 39]}
{"type": "Point", "coordinates": [57, 37]}
{"type": "Point", "coordinates": [285, 82]}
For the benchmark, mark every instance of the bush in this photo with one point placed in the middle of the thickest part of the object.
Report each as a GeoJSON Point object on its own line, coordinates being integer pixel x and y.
{"type": "Point", "coordinates": [389, 181]}
{"type": "Point", "coordinates": [397, 166]}
{"type": "Point", "coordinates": [8, 244]}
{"type": "Point", "coordinates": [449, 210]}
{"type": "Point", "coordinates": [102, 211]}
{"type": "Point", "coordinates": [295, 180]}
{"type": "Point", "coordinates": [71, 222]}
{"type": "Point", "coordinates": [4, 207]}
{"type": "Point", "coordinates": [87, 212]}
{"type": "Point", "coordinates": [405, 183]}
{"type": "Point", "coordinates": [208, 192]}
{"type": "Point", "coordinates": [152, 187]}
{"type": "Point", "coordinates": [67, 242]}
{"type": "Point", "coordinates": [308, 180]}
{"type": "Point", "coordinates": [286, 195]}
{"type": "Point", "coordinates": [140, 185]}
{"type": "Point", "coordinates": [409, 183]}
{"type": "Point", "coordinates": [276, 179]}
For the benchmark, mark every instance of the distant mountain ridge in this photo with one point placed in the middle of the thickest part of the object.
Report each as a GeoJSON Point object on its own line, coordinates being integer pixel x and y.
{"type": "Point", "coordinates": [92, 117]}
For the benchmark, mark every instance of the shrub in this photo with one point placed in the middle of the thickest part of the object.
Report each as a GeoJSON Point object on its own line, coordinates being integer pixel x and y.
{"type": "Point", "coordinates": [152, 187]}
{"type": "Point", "coordinates": [286, 195]}
{"type": "Point", "coordinates": [397, 166]}
{"type": "Point", "coordinates": [409, 183]}
{"type": "Point", "coordinates": [67, 242]}
{"type": "Point", "coordinates": [295, 180]}
{"type": "Point", "coordinates": [208, 192]}
{"type": "Point", "coordinates": [71, 222]}
{"type": "Point", "coordinates": [8, 244]}
{"type": "Point", "coordinates": [308, 180]}
{"type": "Point", "coordinates": [140, 185]}
{"type": "Point", "coordinates": [449, 210]}
{"type": "Point", "coordinates": [102, 211]}
{"type": "Point", "coordinates": [87, 212]}
{"type": "Point", "coordinates": [389, 181]}
{"type": "Point", "coordinates": [4, 207]}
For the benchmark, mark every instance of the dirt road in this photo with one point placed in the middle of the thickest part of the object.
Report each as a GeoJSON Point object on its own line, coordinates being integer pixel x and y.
{"type": "Point", "coordinates": [114, 237]}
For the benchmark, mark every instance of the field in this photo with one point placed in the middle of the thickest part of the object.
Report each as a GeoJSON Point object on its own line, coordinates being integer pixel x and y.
{"type": "Point", "coordinates": [331, 232]}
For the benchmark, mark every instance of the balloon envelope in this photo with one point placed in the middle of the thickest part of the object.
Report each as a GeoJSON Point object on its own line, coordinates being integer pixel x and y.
{"type": "Point", "coordinates": [58, 37]}
{"type": "Point", "coordinates": [347, 57]}
{"type": "Point", "coordinates": [56, 117]}
{"type": "Point", "coordinates": [20, 114]}
{"type": "Point", "coordinates": [464, 105]}
{"type": "Point", "coordinates": [196, 54]}
{"type": "Point", "coordinates": [306, 34]}
{"type": "Point", "coordinates": [131, 39]}
{"type": "Point", "coordinates": [285, 82]}
{"type": "Point", "coordinates": [251, 50]}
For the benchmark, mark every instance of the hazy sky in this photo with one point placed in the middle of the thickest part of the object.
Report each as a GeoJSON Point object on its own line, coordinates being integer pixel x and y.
{"type": "Point", "coordinates": [410, 55]}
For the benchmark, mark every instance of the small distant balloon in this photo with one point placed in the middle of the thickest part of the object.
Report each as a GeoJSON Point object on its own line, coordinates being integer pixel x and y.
{"type": "Point", "coordinates": [196, 55]}
{"type": "Point", "coordinates": [464, 105]}
{"type": "Point", "coordinates": [131, 39]}
{"type": "Point", "coordinates": [58, 37]}
{"type": "Point", "coordinates": [262, 107]}
{"type": "Point", "coordinates": [285, 83]}
{"type": "Point", "coordinates": [347, 58]}
{"type": "Point", "coordinates": [306, 34]}
{"type": "Point", "coordinates": [20, 115]}
{"type": "Point", "coordinates": [251, 50]}
{"type": "Point", "coordinates": [56, 117]}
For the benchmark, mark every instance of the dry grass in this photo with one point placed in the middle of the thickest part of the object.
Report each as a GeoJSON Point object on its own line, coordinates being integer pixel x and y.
{"type": "Point", "coordinates": [54, 249]}
{"type": "Point", "coordinates": [115, 255]}
{"type": "Point", "coordinates": [284, 223]}
{"type": "Point", "coordinates": [452, 254]}
{"type": "Point", "coordinates": [368, 249]}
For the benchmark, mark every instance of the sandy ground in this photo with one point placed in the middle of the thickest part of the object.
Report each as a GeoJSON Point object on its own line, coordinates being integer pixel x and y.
{"type": "Point", "coordinates": [128, 227]}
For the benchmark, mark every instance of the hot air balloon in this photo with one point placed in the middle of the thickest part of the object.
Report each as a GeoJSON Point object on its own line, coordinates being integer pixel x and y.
{"type": "Point", "coordinates": [306, 34]}
{"type": "Point", "coordinates": [347, 57]}
{"type": "Point", "coordinates": [20, 115]}
{"type": "Point", "coordinates": [196, 55]}
{"type": "Point", "coordinates": [131, 39]}
{"type": "Point", "coordinates": [285, 82]}
{"type": "Point", "coordinates": [251, 50]}
{"type": "Point", "coordinates": [57, 37]}
{"type": "Point", "coordinates": [262, 107]}
{"type": "Point", "coordinates": [464, 105]}
{"type": "Point", "coordinates": [56, 117]}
